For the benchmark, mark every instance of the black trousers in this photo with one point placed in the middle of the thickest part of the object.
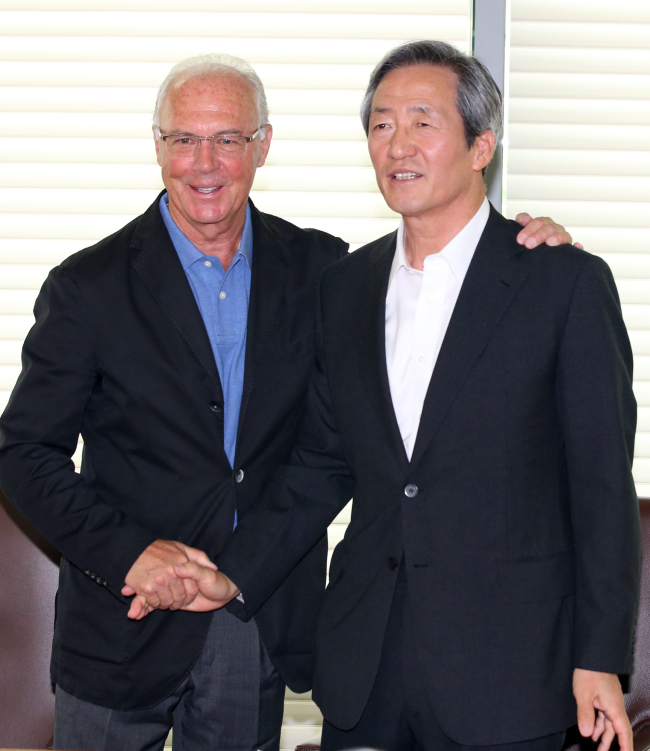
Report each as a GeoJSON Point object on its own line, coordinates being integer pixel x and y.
{"type": "Point", "coordinates": [398, 716]}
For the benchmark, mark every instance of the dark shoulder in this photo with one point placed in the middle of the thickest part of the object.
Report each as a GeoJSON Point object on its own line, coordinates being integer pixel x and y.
{"type": "Point", "coordinates": [568, 262]}
{"type": "Point", "coordinates": [366, 259]}
{"type": "Point", "coordinates": [559, 258]}
{"type": "Point", "coordinates": [109, 253]}
{"type": "Point", "coordinates": [320, 246]}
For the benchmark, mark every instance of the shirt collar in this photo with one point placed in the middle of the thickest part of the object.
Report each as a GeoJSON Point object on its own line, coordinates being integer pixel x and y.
{"type": "Point", "coordinates": [458, 252]}
{"type": "Point", "coordinates": [188, 253]}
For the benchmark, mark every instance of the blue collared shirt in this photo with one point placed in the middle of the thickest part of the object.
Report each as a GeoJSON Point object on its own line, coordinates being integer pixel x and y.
{"type": "Point", "coordinates": [222, 297]}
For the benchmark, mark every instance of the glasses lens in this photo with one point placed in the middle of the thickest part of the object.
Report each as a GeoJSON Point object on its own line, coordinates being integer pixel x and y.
{"type": "Point", "coordinates": [230, 145]}
{"type": "Point", "coordinates": [182, 145]}
{"type": "Point", "coordinates": [187, 146]}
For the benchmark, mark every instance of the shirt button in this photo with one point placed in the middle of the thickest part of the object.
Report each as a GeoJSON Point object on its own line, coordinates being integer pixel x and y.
{"type": "Point", "coordinates": [207, 263]}
{"type": "Point", "coordinates": [392, 563]}
{"type": "Point", "coordinates": [420, 358]}
{"type": "Point", "coordinates": [215, 406]}
{"type": "Point", "coordinates": [239, 475]}
{"type": "Point", "coordinates": [222, 295]}
{"type": "Point", "coordinates": [410, 491]}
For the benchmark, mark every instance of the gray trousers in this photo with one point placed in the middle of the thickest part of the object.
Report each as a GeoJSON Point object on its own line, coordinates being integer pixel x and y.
{"type": "Point", "coordinates": [232, 700]}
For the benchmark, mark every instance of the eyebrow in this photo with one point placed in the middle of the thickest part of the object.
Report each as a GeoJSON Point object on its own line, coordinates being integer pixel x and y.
{"type": "Point", "coordinates": [229, 132]}
{"type": "Point", "coordinates": [425, 109]}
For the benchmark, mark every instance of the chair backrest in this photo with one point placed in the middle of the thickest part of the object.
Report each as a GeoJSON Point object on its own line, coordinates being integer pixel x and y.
{"type": "Point", "coordinates": [638, 698]}
{"type": "Point", "coordinates": [28, 583]}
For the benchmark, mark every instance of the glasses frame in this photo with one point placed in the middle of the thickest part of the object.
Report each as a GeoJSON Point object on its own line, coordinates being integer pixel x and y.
{"type": "Point", "coordinates": [247, 139]}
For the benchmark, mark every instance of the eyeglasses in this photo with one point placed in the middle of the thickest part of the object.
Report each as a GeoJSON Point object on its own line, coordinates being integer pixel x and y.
{"type": "Point", "coordinates": [188, 145]}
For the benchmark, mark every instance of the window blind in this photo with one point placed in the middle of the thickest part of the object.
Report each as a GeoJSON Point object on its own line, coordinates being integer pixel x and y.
{"type": "Point", "coordinates": [78, 80]}
{"type": "Point", "coordinates": [579, 148]}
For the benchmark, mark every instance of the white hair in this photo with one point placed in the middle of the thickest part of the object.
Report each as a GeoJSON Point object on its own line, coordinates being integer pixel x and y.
{"type": "Point", "coordinates": [217, 65]}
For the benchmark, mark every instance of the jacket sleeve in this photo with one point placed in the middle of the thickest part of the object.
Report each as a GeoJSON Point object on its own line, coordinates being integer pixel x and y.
{"type": "Point", "coordinates": [294, 512]}
{"type": "Point", "coordinates": [39, 431]}
{"type": "Point", "coordinates": [598, 413]}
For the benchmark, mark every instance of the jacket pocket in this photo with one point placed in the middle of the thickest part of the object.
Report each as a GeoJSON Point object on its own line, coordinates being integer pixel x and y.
{"type": "Point", "coordinates": [538, 578]}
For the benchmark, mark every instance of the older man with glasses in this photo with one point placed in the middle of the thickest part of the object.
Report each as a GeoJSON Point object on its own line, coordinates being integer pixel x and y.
{"type": "Point", "coordinates": [180, 349]}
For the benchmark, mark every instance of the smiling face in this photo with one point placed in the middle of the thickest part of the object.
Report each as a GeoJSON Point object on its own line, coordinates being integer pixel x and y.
{"type": "Point", "coordinates": [208, 192]}
{"type": "Point", "coordinates": [418, 148]}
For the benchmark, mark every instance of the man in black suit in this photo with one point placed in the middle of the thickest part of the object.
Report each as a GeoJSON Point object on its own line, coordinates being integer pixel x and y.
{"type": "Point", "coordinates": [475, 399]}
{"type": "Point", "coordinates": [188, 397]}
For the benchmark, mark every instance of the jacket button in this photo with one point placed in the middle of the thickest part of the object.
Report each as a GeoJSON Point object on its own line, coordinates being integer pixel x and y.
{"type": "Point", "coordinates": [215, 406]}
{"type": "Point", "coordinates": [239, 475]}
{"type": "Point", "coordinates": [410, 491]}
{"type": "Point", "coordinates": [392, 563]}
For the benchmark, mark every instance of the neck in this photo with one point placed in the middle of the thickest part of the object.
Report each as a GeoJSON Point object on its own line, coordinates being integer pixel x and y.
{"type": "Point", "coordinates": [426, 235]}
{"type": "Point", "coordinates": [213, 239]}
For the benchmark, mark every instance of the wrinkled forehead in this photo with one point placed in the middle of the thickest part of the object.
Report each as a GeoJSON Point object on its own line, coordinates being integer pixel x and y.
{"type": "Point", "coordinates": [223, 93]}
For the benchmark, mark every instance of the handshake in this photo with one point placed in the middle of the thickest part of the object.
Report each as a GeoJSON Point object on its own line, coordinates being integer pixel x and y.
{"type": "Point", "coordinates": [169, 575]}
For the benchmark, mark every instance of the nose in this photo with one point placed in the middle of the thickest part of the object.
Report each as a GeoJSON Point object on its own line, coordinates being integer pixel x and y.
{"type": "Point", "coordinates": [401, 143]}
{"type": "Point", "coordinates": [206, 158]}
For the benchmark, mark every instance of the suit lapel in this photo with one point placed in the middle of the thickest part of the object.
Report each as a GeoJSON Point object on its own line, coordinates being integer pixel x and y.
{"type": "Point", "coordinates": [160, 269]}
{"type": "Point", "coordinates": [268, 280]}
{"type": "Point", "coordinates": [490, 285]}
{"type": "Point", "coordinates": [371, 327]}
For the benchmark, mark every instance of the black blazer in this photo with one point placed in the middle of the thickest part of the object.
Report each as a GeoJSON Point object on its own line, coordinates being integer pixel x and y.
{"type": "Point", "coordinates": [520, 531]}
{"type": "Point", "coordinates": [120, 354]}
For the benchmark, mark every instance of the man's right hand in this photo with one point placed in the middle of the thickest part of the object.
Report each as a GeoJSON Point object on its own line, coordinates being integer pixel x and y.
{"type": "Point", "coordinates": [153, 577]}
{"type": "Point", "coordinates": [213, 590]}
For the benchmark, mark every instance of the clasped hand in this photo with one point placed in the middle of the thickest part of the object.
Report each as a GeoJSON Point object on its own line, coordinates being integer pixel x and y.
{"type": "Point", "coordinates": [169, 575]}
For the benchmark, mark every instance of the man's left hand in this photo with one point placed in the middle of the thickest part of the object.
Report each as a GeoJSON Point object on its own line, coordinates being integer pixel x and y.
{"type": "Point", "coordinates": [601, 709]}
{"type": "Point", "coordinates": [542, 230]}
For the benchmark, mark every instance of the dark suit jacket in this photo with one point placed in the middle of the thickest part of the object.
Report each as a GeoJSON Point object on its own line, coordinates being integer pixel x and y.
{"type": "Point", "coordinates": [120, 354]}
{"type": "Point", "coordinates": [520, 535]}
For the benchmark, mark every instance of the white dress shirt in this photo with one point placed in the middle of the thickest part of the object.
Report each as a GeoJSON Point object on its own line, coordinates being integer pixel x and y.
{"type": "Point", "coordinates": [419, 305]}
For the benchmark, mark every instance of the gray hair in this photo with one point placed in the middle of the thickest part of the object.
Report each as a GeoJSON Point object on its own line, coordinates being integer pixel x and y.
{"type": "Point", "coordinates": [478, 98]}
{"type": "Point", "coordinates": [213, 65]}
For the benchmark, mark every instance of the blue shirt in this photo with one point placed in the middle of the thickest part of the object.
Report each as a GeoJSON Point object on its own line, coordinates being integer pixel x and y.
{"type": "Point", "coordinates": [222, 297]}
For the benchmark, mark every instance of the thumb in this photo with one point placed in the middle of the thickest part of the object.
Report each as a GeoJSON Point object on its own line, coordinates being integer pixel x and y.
{"type": "Point", "coordinates": [200, 557]}
{"type": "Point", "coordinates": [192, 570]}
{"type": "Point", "coordinates": [127, 591]}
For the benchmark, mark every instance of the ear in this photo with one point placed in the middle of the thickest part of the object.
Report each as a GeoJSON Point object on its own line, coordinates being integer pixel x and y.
{"type": "Point", "coordinates": [265, 144]}
{"type": "Point", "coordinates": [156, 141]}
{"type": "Point", "coordinates": [484, 147]}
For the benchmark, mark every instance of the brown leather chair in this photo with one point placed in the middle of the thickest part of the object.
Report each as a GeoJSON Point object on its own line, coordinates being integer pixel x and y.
{"type": "Point", "coordinates": [28, 583]}
{"type": "Point", "coordinates": [637, 700]}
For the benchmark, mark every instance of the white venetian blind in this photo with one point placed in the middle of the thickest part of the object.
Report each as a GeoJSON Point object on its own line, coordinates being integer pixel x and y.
{"type": "Point", "coordinates": [78, 80]}
{"type": "Point", "coordinates": [579, 148]}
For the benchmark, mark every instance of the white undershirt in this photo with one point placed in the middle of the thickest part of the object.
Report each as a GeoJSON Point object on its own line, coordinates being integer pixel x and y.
{"type": "Point", "coordinates": [419, 305]}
